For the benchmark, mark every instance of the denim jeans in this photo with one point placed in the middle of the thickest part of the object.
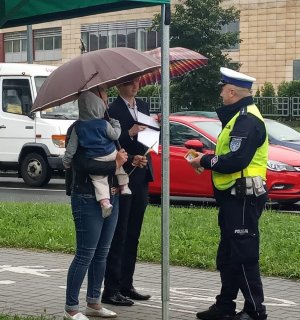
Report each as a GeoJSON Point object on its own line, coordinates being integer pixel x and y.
{"type": "Point", "coordinates": [93, 238]}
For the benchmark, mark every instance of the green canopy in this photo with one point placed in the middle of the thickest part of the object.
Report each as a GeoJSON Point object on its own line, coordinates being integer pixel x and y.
{"type": "Point", "coordinates": [23, 12]}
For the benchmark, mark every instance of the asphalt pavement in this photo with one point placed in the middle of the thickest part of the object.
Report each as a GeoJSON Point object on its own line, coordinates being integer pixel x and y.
{"type": "Point", "coordinates": [33, 283]}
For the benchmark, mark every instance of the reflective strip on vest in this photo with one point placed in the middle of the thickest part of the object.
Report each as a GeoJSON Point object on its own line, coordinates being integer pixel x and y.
{"type": "Point", "coordinates": [258, 164]}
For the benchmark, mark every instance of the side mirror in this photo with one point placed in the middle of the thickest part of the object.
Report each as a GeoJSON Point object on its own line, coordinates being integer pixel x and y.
{"type": "Point", "coordinates": [31, 115]}
{"type": "Point", "coordinates": [194, 144]}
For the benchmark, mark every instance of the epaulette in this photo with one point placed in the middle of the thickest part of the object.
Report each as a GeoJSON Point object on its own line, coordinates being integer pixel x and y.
{"type": "Point", "coordinates": [243, 111]}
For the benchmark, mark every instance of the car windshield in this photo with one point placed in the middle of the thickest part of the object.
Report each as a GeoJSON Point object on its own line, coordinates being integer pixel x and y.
{"type": "Point", "coordinates": [281, 132]}
{"type": "Point", "coordinates": [38, 82]}
{"type": "Point", "coordinates": [67, 111]}
{"type": "Point", "coordinates": [213, 128]}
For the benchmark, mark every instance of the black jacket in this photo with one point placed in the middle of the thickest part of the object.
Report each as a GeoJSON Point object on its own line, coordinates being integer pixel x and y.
{"type": "Point", "coordinates": [119, 110]}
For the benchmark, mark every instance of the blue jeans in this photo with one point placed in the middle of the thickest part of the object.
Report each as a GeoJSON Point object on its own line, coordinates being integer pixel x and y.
{"type": "Point", "coordinates": [93, 238]}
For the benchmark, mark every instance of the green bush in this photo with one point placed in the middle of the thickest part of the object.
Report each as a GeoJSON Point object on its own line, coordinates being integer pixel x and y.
{"type": "Point", "coordinates": [147, 91]}
{"type": "Point", "coordinates": [257, 93]}
{"type": "Point", "coordinates": [150, 91]}
{"type": "Point", "coordinates": [267, 90]}
{"type": "Point", "coordinates": [112, 92]}
{"type": "Point", "coordinates": [289, 89]}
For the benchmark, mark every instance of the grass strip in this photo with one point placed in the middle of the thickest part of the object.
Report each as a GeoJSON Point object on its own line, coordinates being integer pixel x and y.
{"type": "Point", "coordinates": [194, 235]}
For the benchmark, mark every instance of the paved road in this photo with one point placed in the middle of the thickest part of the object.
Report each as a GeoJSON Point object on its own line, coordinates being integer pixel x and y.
{"type": "Point", "coordinates": [14, 189]}
{"type": "Point", "coordinates": [33, 283]}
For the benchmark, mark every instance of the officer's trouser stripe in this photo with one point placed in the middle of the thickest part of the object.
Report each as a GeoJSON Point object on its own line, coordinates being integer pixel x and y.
{"type": "Point", "coordinates": [244, 211]}
{"type": "Point", "coordinates": [247, 283]}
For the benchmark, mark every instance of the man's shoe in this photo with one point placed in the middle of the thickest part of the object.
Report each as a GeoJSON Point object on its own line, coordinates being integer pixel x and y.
{"type": "Point", "coordinates": [133, 294]}
{"type": "Point", "coordinates": [214, 313]}
{"type": "Point", "coordinates": [117, 299]}
{"type": "Point", "coordinates": [242, 316]}
{"type": "Point", "coordinates": [245, 316]}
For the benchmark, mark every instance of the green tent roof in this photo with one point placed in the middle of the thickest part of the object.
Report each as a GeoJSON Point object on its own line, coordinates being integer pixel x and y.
{"type": "Point", "coordinates": [23, 12]}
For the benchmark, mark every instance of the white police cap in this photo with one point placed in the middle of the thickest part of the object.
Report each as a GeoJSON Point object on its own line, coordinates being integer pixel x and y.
{"type": "Point", "coordinates": [229, 76]}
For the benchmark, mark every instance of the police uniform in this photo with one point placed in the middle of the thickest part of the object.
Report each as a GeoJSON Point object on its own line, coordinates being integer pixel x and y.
{"type": "Point", "coordinates": [240, 159]}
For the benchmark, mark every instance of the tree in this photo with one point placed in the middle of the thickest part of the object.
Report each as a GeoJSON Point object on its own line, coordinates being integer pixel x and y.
{"type": "Point", "coordinates": [289, 89]}
{"type": "Point", "coordinates": [267, 90]}
{"type": "Point", "coordinates": [197, 25]}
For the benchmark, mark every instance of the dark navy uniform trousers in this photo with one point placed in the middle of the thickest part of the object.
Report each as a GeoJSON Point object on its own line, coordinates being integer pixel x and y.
{"type": "Point", "coordinates": [238, 252]}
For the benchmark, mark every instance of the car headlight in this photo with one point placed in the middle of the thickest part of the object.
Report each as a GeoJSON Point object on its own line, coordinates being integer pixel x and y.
{"type": "Point", "coordinates": [279, 166]}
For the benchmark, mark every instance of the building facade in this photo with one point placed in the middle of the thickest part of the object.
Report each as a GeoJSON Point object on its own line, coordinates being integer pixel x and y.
{"type": "Point", "coordinates": [269, 30]}
{"type": "Point", "coordinates": [270, 33]}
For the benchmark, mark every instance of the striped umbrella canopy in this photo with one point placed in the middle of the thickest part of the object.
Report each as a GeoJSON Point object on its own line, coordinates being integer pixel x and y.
{"type": "Point", "coordinates": [182, 61]}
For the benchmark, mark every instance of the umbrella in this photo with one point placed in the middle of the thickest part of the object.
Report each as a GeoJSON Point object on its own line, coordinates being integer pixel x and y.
{"type": "Point", "coordinates": [105, 67]}
{"type": "Point", "coordinates": [182, 61]}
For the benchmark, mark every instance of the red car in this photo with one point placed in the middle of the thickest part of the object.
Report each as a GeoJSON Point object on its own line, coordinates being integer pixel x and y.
{"type": "Point", "coordinates": [283, 175]}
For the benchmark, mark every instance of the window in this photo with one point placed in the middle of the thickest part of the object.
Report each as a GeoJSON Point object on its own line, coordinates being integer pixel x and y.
{"type": "Point", "coordinates": [296, 70]}
{"type": "Point", "coordinates": [102, 40]}
{"type": "Point", "coordinates": [39, 82]}
{"type": "Point", "coordinates": [132, 34]}
{"type": "Point", "coordinates": [121, 38]}
{"type": "Point", "coordinates": [232, 27]}
{"type": "Point", "coordinates": [16, 96]}
{"type": "Point", "coordinates": [47, 44]}
{"type": "Point", "coordinates": [180, 133]}
{"type": "Point", "coordinates": [15, 46]}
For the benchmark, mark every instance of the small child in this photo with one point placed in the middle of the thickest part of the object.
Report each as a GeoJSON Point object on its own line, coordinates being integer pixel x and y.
{"type": "Point", "coordinates": [96, 136]}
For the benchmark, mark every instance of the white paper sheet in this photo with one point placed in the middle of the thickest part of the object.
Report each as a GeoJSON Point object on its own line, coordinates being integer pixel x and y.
{"type": "Point", "coordinates": [147, 120]}
{"type": "Point", "coordinates": [149, 138]}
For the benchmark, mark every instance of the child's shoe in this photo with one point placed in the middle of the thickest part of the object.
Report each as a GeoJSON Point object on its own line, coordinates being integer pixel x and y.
{"type": "Point", "coordinates": [125, 189]}
{"type": "Point", "coordinates": [106, 207]}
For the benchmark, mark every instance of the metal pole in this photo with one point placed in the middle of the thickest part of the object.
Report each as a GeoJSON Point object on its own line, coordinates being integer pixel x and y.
{"type": "Point", "coordinates": [29, 44]}
{"type": "Point", "coordinates": [165, 197]}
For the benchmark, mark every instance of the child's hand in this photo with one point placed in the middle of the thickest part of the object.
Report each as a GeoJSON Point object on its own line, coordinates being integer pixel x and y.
{"type": "Point", "coordinates": [114, 123]}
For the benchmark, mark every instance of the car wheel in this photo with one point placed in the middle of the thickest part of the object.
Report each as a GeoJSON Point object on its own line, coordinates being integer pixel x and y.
{"type": "Point", "coordinates": [35, 170]}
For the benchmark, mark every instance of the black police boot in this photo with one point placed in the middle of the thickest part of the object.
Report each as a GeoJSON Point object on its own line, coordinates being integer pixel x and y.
{"type": "Point", "coordinates": [245, 316]}
{"type": "Point", "coordinates": [214, 313]}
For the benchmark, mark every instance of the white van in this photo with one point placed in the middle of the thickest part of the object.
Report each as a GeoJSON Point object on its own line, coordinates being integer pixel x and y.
{"type": "Point", "coordinates": [30, 143]}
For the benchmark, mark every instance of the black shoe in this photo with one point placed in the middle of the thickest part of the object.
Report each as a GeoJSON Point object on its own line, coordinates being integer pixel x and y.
{"type": "Point", "coordinates": [245, 316]}
{"type": "Point", "coordinates": [242, 316]}
{"type": "Point", "coordinates": [133, 294]}
{"type": "Point", "coordinates": [214, 313]}
{"type": "Point", "coordinates": [117, 299]}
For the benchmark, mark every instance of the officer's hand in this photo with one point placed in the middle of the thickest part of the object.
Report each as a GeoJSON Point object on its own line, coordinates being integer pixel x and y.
{"type": "Point", "coordinates": [195, 163]}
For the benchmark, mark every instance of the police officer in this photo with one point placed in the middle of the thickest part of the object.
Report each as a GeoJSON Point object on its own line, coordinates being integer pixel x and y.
{"type": "Point", "coordinates": [239, 168]}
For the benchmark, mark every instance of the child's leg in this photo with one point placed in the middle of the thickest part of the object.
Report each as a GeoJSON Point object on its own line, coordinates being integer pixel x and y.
{"type": "Point", "coordinates": [123, 181]}
{"type": "Point", "coordinates": [102, 193]}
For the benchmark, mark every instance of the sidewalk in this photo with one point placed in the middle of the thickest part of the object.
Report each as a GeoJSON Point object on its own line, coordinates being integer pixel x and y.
{"type": "Point", "coordinates": [33, 283]}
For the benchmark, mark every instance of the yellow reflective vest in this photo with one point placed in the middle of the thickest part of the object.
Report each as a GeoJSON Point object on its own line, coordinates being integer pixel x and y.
{"type": "Point", "coordinates": [258, 164]}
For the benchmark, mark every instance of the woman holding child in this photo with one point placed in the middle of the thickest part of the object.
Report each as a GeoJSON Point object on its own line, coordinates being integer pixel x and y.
{"type": "Point", "coordinates": [93, 231]}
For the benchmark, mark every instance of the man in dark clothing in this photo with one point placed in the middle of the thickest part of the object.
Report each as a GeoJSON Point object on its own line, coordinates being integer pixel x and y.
{"type": "Point", "coordinates": [118, 283]}
{"type": "Point", "coordinates": [239, 173]}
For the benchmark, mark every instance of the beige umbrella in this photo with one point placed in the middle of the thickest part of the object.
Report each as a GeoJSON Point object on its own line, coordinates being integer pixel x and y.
{"type": "Point", "coordinates": [105, 67]}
